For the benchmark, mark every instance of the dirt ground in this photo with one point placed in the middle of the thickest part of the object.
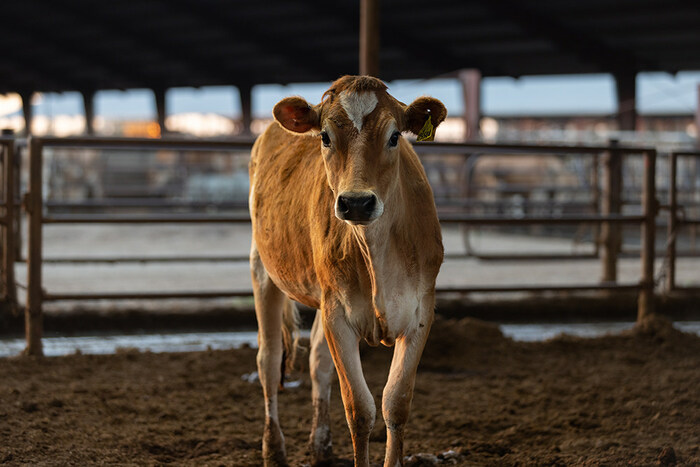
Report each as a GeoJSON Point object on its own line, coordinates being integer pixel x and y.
{"type": "Point", "coordinates": [480, 399]}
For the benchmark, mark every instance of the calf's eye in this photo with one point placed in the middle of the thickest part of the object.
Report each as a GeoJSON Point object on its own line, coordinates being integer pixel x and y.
{"type": "Point", "coordinates": [325, 139]}
{"type": "Point", "coordinates": [394, 140]}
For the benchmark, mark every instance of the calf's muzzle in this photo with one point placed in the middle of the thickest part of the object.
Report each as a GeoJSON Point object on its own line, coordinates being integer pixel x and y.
{"type": "Point", "coordinates": [356, 207]}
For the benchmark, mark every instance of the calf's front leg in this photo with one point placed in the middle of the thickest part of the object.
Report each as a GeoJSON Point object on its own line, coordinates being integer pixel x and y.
{"type": "Point", "coordinates": [360, 410]}
{"type": "Point", "coordinates": [398, 392]}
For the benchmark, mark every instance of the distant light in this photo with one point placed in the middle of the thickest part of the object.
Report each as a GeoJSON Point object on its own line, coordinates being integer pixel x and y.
{"type": "Point", "coordinates": [692, 130]}
{"type": "Point", "coordinates": [153, 130]}
{"type": "Point", "coordinates": [201, 125]}
{"type": "Point", "coordinates": [10, 104]}
{"type": "Point", "coordinates": [489, 128]}
{"type": "Point", "coordinates": [600, 129]}
{"type": "Point", "coordinates": [141, 129]}
{"type": "Point", "coordinates": [259, 125]}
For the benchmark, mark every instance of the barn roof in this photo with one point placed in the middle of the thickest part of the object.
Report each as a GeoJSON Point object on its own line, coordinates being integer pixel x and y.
{"type": "Point", "coordinates": [89, 45]}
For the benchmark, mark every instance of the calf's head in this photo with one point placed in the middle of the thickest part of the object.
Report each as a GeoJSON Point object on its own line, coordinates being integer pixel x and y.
{"type": "Point", "coordinates": [359, 127]}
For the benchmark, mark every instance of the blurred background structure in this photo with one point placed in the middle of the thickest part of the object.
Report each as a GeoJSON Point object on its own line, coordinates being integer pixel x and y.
{"type": "Point", "coordinates": [214, 67]}
{"type": "Point", "coordinates": [527, 84]}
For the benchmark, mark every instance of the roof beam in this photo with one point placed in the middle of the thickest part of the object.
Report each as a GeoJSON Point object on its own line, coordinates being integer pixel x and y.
{"type": "Point", "coordinates": [40, 71]}
{"type": "Point", "coordinates": [268, 41]}
{"type": "Point", "coordinates": [14, 77]}
{"type": "Point", "coordinates": [142, 40]}
{"type": "Point", "coordinates": [55, 57]}
{"type": "Point", "coordinates": [587, 48]}
{"type": "Point", "coordinates": [441, 59]}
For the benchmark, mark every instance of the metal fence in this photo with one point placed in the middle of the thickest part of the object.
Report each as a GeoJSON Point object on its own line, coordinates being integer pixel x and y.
{"type": "Point", "coordinates": [678, 217]}
{"type": "Point", "coordinates": [8, 221]}
{"type": "Point", "coordinates": [609, 220]}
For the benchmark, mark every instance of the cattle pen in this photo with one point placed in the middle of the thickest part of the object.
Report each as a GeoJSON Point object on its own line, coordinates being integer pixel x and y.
{"type": "Point", "coordinates": [607, 214]}
{"type": "Point", "coordinates": [624, 398]}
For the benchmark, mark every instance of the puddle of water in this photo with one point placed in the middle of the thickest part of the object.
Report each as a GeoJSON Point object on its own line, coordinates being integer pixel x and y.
{"type": "Point", "coordinates": [107, 344]}
{"type": "Point", "coordinates": [199, 341]}
{"type": "Point", "coordinates": [542, 332]}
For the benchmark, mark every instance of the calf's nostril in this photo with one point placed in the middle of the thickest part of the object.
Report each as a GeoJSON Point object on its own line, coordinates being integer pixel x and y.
{"type": "Point", "coordinates": [343, 205]}
{"type": "Point", "coordinates": [356, 206]}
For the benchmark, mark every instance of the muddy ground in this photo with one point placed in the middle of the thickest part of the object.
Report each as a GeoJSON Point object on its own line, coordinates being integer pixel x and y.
{"type": "Point", "coordinates": [630, 399]}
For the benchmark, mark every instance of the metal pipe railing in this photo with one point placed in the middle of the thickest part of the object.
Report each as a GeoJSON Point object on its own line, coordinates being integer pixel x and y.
{"type": "Point", "coordinates": [674, 221]}
{"type": "Point", "coordinates": [9, 292]}
{"type": "Point", "coordinates": [34, 206]}
{"type": "Point", "coordinates": [648, 232]}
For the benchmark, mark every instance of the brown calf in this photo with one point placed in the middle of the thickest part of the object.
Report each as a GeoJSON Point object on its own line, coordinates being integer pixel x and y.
{"type": "Point", "coordinates": [344, 221]}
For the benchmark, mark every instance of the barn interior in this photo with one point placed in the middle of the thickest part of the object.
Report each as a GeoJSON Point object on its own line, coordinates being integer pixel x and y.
{"type": "Point", "coordinates": [563, 243]}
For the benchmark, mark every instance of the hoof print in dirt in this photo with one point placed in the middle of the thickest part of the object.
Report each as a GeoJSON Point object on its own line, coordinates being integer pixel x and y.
{"type": "Point", "coordinates": [29, 407]}
{"type": "Point", "coordinates": [421, 460]}
{"type": "Point", "coordinates": [424, 459]}
{"type": "Point", "coordinates": [667, 457]}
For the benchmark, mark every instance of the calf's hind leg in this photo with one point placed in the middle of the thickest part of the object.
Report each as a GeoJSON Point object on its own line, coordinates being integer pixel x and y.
{"type": "Point", "coordinates": [269, 304]}
{"type": "Point", "coordinates": [321, 365]}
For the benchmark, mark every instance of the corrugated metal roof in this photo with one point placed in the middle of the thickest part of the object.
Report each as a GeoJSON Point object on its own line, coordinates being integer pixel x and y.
{"type": "Point", "coordinates": [50, 45]}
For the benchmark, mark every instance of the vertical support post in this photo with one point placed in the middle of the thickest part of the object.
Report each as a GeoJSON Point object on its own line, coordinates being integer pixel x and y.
{"type": "Point", "coordinates": [4, 283]}
{"type": "Point", "coordinates": [27, 111]}
{"type": "Point", "coordinates": [672, 222]}
{"type": "Point", "coordinates": [694, 170]}
{"type": "Point", "coordinates": [626, 85]}
{"type": "Point", "coordinates": [34, 206]}
{"type": "Point", "coordinates": [595, 202]}
{"type": "Point", "coordinates": [697, 120]}
{"type": "Point", "coordinates": [471, 94]}
{"type": "Point", "coordinates": [8, 247]}
{"type": "Point", "coordinates": [645, 305]}
{"type": "Point", "coordinates": [246, 94]}
{"type": "Point", "coordinates": [89, 108]}
{"type": "Point", "coordinates": [369, 37]}
{"type": "Point", "coordinates": [610, 233]}
{"type": "Point", "coordinates": [17, 227]}
{"type": "Point", "coordinates": [159, 95]}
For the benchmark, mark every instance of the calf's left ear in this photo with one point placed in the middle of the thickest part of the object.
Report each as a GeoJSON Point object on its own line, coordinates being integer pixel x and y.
{"type": "Point", "coordinates": [417, 113]}
{"type": "Point", "coordinates": [296, 115]}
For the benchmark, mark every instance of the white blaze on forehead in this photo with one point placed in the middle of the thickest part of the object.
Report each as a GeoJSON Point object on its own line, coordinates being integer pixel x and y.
{"type": "Point", "coordinates": [358, 106]}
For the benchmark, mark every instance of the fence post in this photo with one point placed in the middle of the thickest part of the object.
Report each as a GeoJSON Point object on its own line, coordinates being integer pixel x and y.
{"type": "Point", "coordinates": [610, 233]}
{"type": "Point", "coordinates": [34, 206]}
{"type": "Point", "coordinates": [650, 207]}
{"type": "Point", "coordinates": [596, 203]}
{"type": "Point", "coordinates": [17, 198]}
{"type": "Point", "coordinates": [5, 285]}
{"type": "Point", "coordinates": [672, 223]}
{"type": "Point", "coordinates": [8, 266]}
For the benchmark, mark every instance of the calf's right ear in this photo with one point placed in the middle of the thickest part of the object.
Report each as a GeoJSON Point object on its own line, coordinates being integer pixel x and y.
{"type": "Point", "coordinates": [296, 115]}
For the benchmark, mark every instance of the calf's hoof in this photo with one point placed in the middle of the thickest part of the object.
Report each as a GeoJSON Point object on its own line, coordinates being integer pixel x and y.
{"type": "Point", "coordinates": [321, 448]}
{"type": "Point", "coordinates": [273, 451]}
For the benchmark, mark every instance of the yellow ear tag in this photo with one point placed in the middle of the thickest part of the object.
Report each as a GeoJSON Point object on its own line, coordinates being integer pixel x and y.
{"type": "Point", "coordinates": [427, 133]}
